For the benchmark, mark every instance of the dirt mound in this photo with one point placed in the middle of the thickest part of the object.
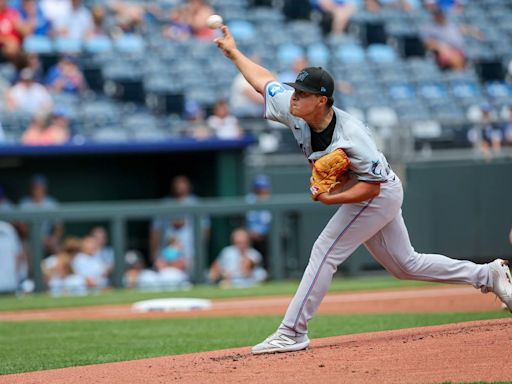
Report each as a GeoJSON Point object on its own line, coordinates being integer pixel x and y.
{"type": "Point", "coordinates": [472, 351]}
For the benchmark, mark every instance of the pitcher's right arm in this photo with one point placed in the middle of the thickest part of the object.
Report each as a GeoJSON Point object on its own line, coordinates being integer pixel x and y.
{"type": "Point", "coordinates": [254, 73]}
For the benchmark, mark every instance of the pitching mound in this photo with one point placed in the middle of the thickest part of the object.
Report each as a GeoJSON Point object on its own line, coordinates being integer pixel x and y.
{"type": "Point", "coordinates": [473, 351]}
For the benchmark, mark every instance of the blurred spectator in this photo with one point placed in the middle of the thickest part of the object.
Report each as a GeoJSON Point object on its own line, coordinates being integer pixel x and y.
{"type": "Point", "coordinates": [180, 226]}
{"type": "Point", "coordinates": [177, 28]}
{"type": "Point", "coordinates": [39, 200]}
{"type": "Point", "coordinates": [238, 264]}
{"type": "Point", "coordinates": [11, 31]}
{"type": "Point", "coordinates": [445, 40]}
{"type": "Point", "coordinates": [195, 14]}
{"type": "Point", "coordinates": [378, 5]}
{"type": "Point", "coordinates": [65, 77]}
{"type": "Point", "coordinates": [134, 266]}
{"type": "Point", "coordinates": [10, 256]}
{"type": "Point", "coordinates": [44, 130]}
{"type": "Point", "coordinates": [57, 11]}
{"type": "Point", "coordinates": [336, 14]}
{"type": "Point", "coordinates": [290, 75]}
{"type": "Point", "coordinates": [86, 265]}
{"type": "Point", "coordinates": [2, 134]}
{"type": "Point", "coordinates": [5, 203]}
{"type": "Point", "coordinates": [98, 20]}
{"type": "Point", "coordinates": [258, 222]}
{"type": "Point", "coordinates": [507, 129]}
{"type": "Point", "coordinates": [487, 135]}
{"type": "Point", "coordinates": [195, 116]}
{"type": "Point", "coordinates": [104, 253]}
{"type": "Point", "coordinates": [222, 123]}
{"type": "Point", "coordinates": [58, 272]}
{"type": "Point", "coordinates": [78, 23]}
{"type": "Point", "coordinates": [30, 61]}
{"type": "Point", "coordinates": [34, 21]}
{"type": "Point", "coordinates": [446, 5]}
{"type": "Point", "coordinates": [508, 75]}
{"type": "Point", "coordinates": [129, 16]}
{"type": "Point", "coordinates": [172, 264]}
{"type": "Point", "coordinates": [35, 134]}
{"type": "Point", "coordinates": [27, 95]}
{"type": "Point", "coordinates": [244, 100]}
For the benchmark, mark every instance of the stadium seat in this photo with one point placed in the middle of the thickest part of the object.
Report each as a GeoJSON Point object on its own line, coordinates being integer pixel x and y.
{"type": "Point", "coordinates": [318, 54]}
{"type": "Point", "coordinates": [110, 135]}
{"type": "Point", "coordinates": [242, 30]}
{"type": "Point", "coordinates": [67, 45]}
{"type": "Point", "coordinates": [352, 54]}
{"type": "Point", "coordinates": [130, 43]}
{"type": "Point", "coordinates": [402, 91]}
{"type": "Point", "coordinates": [429, 129]}
{"type": "Point", "coordinates": [499, 91]}
{"type": "Point", "coordinates": [98, 44]}
{"type": "Point", "coordinates": [381, 116]}
{"type": "Point", "coordinates": [432, 91]}
{"type": "Point", "coordinates": [38, 45]}
{"type": "Point", "coordinates": [288, 53]}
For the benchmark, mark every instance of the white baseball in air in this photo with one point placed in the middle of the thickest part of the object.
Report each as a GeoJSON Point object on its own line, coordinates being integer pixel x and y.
{"type": "Point", "coordinates": [214, 21]}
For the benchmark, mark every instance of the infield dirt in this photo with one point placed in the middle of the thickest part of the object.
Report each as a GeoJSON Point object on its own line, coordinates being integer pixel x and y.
{"type": "Point", "coordinates": [472, 351]}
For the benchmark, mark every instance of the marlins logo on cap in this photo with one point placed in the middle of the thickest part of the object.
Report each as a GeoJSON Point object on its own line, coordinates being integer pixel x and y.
{"type": "Point", "coordinates": [314, 80]}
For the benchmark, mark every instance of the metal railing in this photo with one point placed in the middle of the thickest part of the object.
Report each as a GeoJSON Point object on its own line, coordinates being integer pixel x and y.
{"type": "Point", "coordinates": [119, 213]}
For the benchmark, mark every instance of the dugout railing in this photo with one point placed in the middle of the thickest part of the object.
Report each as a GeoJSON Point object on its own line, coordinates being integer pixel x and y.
{"type": "Point", "coordinates": [118, 214]}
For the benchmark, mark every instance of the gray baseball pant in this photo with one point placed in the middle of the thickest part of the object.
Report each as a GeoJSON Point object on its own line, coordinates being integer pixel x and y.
{"type": "Point", "coordinates": [378, 224]}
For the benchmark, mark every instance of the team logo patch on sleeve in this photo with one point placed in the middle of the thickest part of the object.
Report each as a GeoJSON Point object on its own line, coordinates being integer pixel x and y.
{"type": "Point", "coordinates": [377, 168]}
{"type": "Point", "coordinates": [274, 89]}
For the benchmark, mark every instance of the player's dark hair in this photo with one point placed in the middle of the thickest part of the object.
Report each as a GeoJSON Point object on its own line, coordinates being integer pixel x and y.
{"type": "Point", "coordinates": [330, 102]}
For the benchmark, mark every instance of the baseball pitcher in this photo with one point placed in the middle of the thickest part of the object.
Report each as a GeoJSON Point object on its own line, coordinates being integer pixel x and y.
{"type": "Point", "coordinates": [366, 189]}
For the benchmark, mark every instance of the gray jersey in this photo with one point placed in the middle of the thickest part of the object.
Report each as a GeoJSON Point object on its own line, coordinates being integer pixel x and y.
{"type": "Point", "coordinates": [367, 163]}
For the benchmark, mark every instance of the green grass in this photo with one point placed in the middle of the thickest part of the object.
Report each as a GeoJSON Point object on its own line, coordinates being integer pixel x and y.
{"type": "Point", "coordinates": [31, 346]}
{"type": "Point", "coordinates": [43, 301]}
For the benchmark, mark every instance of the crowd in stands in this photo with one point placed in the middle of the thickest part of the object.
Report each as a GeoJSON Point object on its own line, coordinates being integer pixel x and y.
{"type": "Point", "coordinates": [79, 265]}
{"type": "Point", "coordinates": [73, 72]}
{"type": "Point", "coordinates": [78, 71]}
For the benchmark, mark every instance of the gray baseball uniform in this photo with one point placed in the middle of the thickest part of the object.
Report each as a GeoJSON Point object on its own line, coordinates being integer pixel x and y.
{"type": "Point", "coordinates": [377, 223]}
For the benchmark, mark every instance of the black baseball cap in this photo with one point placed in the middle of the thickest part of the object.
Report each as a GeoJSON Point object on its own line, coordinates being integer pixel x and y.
{"type": "Point", "coordinates": [314, 80]}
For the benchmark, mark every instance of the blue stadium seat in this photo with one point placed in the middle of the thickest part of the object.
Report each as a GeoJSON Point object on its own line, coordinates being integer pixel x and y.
{"type": "Point", "coordinates": [380, 53]}
{"type": "Point", "coordinates": [98, 44]}
{"type": "Point", "coordinates": [499, 90]}
{"type": "Point", "coordinates": [288, 53]}
{"type": "Point", "coordinates": [110, 135]}
{"type": "Point", "coordinates": [403, 91]}
{"type": "Point", "coordinates": [432, 91]}
{"type": "Point", "coordinates": [38, 45]}
{"type": "Point", "coordinates": [318, 54]}
{"type": "Point", "coordinates": [130, 43]}
{"type": "Point", "coordinates": [349, 53]}
{"type": "Point", "coordinates": [242, 30]}
{"type": "Point", "coordinates": [67, 45]}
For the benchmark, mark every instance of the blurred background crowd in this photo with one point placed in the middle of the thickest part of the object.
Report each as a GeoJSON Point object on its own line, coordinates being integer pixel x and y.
{"type": "Point", "coordinates": [89, 72]}
{"type": "Point", "coordinates": [76, 71]}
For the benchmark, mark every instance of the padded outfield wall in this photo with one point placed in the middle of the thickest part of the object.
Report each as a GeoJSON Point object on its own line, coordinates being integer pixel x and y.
{"type": "Point", "coordinates": [460, 208]}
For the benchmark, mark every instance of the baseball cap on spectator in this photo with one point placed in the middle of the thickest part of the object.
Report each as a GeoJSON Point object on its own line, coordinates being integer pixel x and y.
{"type": "Point", "coordinates": [261, 182]}
{"type": "Point", "coordinates": [314, 80]}
{"type": "Point", "coordinates": [60, 111]}
{"type": "Point", "coordinates": [486, 107]}
{"type": "Point", "coordinates": [39, 180]}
